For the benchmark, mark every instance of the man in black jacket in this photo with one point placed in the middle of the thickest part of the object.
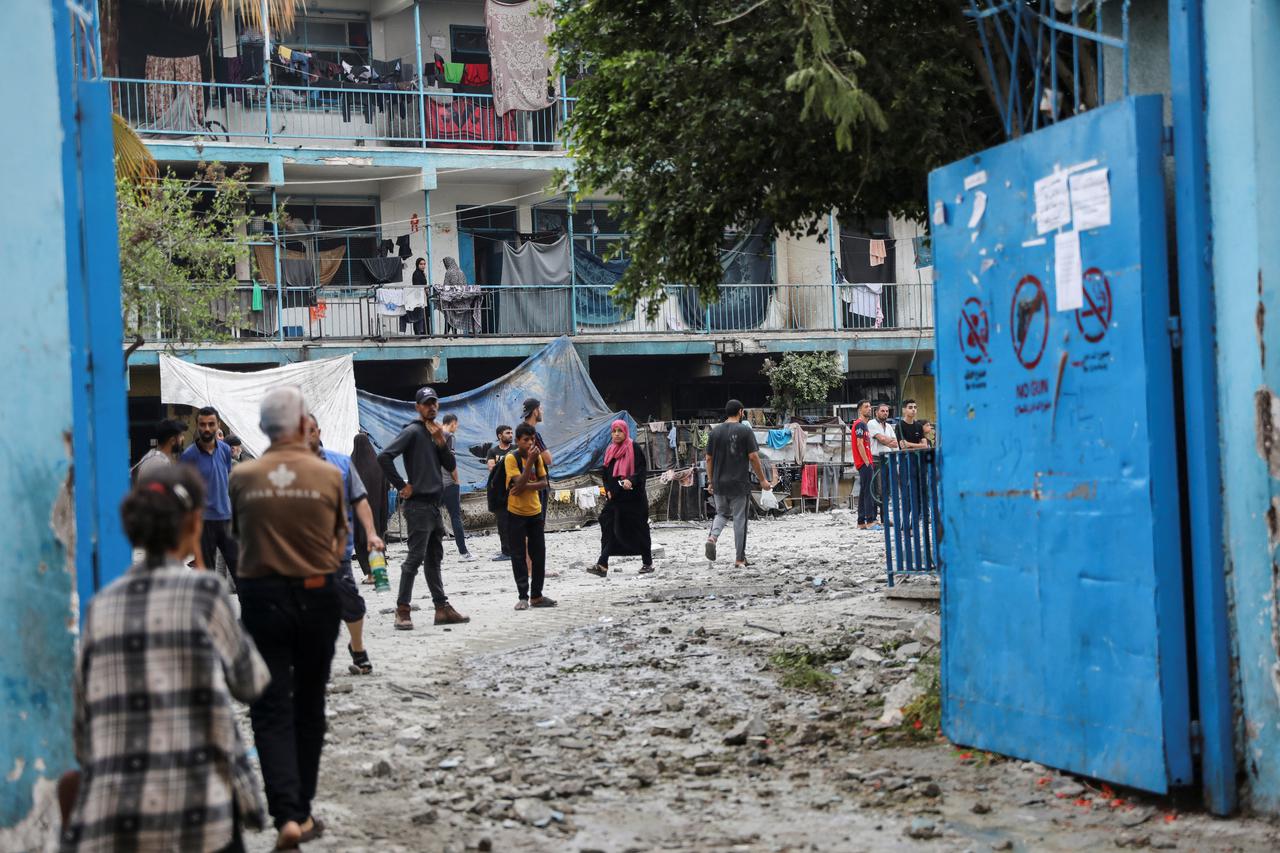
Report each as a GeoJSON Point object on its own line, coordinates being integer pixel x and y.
{"type": "Point", "coordinates": [427, 456]}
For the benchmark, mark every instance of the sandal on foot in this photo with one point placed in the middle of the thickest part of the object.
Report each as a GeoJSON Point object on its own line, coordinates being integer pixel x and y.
{"type": "Point", "coordinates": [598, 570]}
{"type": "Point", "coordinates": [360, 664]}
{"type": "Point", "coordinates": [544, 602]}
{"type": "Point", "coordinates": [522, 605]}
{"type": "Point", "coordinates": [316, 830]}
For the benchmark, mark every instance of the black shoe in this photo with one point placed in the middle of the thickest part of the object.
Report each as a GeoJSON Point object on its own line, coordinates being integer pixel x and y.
{"type": "Point", "coordinates": [360, 664]}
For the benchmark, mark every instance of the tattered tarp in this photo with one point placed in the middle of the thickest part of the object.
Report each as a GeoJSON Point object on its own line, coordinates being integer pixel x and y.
{"type": "Point", "coordinates": [747, 286]}
{"type": "Point", "coordinates": [575, 425]}
{"type": "Point", "coordinates": [329, 387]}
{"type": "Point", "coordinates": [595, 278]}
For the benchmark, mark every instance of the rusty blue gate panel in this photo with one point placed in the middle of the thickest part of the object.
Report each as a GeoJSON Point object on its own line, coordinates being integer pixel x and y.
{"type": "Point", "coordinates": [1061, 566]}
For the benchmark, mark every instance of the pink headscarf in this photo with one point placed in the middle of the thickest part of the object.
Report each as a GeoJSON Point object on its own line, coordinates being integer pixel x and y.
{"type": "Point", "coordinates": [623, 454]}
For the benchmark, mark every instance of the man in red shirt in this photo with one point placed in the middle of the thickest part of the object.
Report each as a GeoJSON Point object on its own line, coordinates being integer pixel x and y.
{"type": "Point", "coordinates": [866, 469]}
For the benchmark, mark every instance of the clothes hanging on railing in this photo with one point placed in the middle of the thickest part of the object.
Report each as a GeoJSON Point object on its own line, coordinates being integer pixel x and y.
{"type": "Point", "coordinates": [389, 301]}
{"type": "Point", "coordinates": [466, 122]}
{"type": "Point", "coordinates": [538, 301]}
{"type": "Point", "coordinates": [809, 481]}
{"type": "Point", "coordinates": [384, 270]}
{"type": "Point", "coordinates": [402, 244]}
{"type": "Point", "coordinates": [523, 66]}
{"type": "Point", "coordinates": [778, 438]}
{"type": "Point", "coordinates": [863, 300]}
{"type": "Point", "coordinates": [328, 262]}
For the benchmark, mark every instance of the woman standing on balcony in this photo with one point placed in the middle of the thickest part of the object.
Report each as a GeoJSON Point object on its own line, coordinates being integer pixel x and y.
{"type": "Point", "coordinates": [418, 316]}
{"type": "Point", "coordinates": [624, 521]}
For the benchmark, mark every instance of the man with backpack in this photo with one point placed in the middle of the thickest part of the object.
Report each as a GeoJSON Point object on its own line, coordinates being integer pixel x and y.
{"type": "Point", "coordinates": [497, 487]}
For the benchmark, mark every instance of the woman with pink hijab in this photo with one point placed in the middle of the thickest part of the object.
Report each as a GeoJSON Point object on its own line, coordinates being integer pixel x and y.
{"type": "Point", "coordinates": [624, 521]}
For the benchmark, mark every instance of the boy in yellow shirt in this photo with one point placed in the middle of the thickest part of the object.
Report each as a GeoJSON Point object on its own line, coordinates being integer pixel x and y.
{"type": "Point", "coordinates": [526, 475]}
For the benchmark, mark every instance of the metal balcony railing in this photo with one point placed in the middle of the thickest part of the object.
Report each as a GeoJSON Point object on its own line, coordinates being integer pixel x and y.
{"type": "Point", "coordinates": [334, 112]}
{"type": "Point", "coordinates": [377, 312]}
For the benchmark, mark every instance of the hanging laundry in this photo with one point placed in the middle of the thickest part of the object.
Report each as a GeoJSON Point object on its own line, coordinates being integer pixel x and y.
{"type": "Point", "coordinates": [563, 496]}
{"type": "Point", "coordinates": [671, 437]}
{"type": "Point", "coordinates": [656, 427]}
{"type": "Point", "coordinates": [778, 438]}
{"type": "Point", "coordinates": [386, 247]}
{"type": "Point", "coordinates": [453, 72]}
{"type": "Point", "coordinates": [586, 498]}
{"type": "Point", "coordinates": [523, 67]}
{"type": "Point", "coordinates": [390, 301]}
{"type": "Point", "coordinates": [285, 53]}
{"type": "Point", "coordinates": [174, 107]}
{"type": "Point", "coordinates": [863, 299]}
{"type": "Point", "coordinates": [476, 74]}
{"type": "Point", "coordinates": [877, 252]}
{"type": "Point", "coordinates": [923, 248]}
{"type": "Point", "coordinates": [415, 297]}
{"type": "Point", "coordinates": [257, 296]}
{"type": "Point", "coordinates": [402, 243]}
{"type": "Point", "coordinates": [383, 270]}
{"type": "Point", "coordinates": [686, 478]}
{"type": "Point", "coordinates": [809, 482]}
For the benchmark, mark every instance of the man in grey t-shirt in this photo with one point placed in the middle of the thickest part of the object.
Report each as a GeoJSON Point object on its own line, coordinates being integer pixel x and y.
{"type": "Point", "coordinates": [169, 434]}
{"type": "Point", "coordinates": [731, 455]}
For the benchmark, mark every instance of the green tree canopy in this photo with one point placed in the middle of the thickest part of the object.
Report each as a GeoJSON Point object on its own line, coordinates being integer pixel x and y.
{"type": "Point", "coordinates": [802, 378]}
{"type": "Point", "coordinates": [180, 239]}
{"type": "Point", "coordinates": [705, 115]}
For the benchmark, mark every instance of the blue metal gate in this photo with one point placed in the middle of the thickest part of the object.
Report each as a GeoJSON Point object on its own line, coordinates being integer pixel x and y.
{"type": "Point", "coordinates": [910, 515]}
{"type": "Point", "coordinates": [1062, 602]}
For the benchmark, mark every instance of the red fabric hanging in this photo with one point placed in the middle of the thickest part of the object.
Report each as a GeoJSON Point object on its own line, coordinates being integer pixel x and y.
{"type": "Point", "coordinates": [809, 481]}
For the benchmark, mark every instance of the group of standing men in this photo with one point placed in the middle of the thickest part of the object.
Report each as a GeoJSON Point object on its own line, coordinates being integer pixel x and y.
{"type": "Point", "coordinates": [873, 439]}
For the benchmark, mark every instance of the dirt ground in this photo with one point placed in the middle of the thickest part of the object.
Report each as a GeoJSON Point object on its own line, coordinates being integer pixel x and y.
{"type": "Point", "coordinates": [699, 708]}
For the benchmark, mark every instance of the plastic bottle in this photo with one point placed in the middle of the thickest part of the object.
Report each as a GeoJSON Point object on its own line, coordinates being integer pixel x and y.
{"type": "Point", "coordinates": [378, 564]}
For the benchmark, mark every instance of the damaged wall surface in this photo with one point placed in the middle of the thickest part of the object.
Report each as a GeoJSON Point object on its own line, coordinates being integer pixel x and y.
{"type": "Point", "coordinates": [37, 610]}
{"type": "Point", "coordinates": [1243, 81]}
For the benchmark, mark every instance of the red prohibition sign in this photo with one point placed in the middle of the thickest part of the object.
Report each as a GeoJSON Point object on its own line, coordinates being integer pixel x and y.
{"type": "Point", "coordinates": [1029, 335]}
{"type": "Point", "coordinates": [1093, 318]}
{"type": "Point", "coordinates": [975, 331]}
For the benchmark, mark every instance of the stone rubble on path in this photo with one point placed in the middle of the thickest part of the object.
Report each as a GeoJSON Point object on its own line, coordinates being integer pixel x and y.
{"type": "Point", "coordinates": [652, 713]}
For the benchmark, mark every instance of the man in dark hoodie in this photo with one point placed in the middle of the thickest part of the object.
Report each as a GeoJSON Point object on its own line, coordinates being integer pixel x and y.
{"type": "Point", "coordinates": [427, 456]}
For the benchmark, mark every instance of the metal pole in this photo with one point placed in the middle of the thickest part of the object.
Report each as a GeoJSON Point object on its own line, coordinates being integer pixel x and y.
{"type": "Point", "coordinates": [422, 97]}
{"type": "Point", "coordinates": [266, 79]}
{"type": "Point", "coordinates": [835, 290]}
{"type": "Point", "coordinates": [426, 226]}
{"type": "Point", "coordinates": [573, 272]}
{"type": "Point", "coordinates": [1200, 394]}
{"type": "Point", "coordinates": [275, 248]}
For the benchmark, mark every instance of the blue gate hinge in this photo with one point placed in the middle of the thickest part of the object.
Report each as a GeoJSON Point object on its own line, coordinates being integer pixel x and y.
{"type": "Point", "coordinates": [1196, 737]}
{"type": "Point", "coordinates": [1175, 331]}
{"type": "Point", "coordinates": [1166, 140]}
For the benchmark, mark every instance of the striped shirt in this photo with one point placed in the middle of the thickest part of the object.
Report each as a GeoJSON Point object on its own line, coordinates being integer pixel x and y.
{"type": "Point", "coordinates": [161, 657]}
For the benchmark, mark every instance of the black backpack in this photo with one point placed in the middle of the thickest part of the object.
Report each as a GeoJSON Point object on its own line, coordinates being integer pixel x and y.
{"type": "Point", "coordinates": [497, 486]}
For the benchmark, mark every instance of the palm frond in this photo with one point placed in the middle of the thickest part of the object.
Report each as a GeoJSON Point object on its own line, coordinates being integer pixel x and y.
{"type": "Point", "coordinates": [133, 160]}
{"type": "Point", "coordinates": [279, 12]}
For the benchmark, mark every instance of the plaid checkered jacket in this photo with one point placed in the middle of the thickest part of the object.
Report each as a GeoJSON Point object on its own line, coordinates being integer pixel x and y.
{"type": "Point", "coordinates": [155, 732]}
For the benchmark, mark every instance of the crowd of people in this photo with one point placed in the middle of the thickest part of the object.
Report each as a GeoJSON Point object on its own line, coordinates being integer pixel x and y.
{"type": "Point", "coordinates": [169, 646]}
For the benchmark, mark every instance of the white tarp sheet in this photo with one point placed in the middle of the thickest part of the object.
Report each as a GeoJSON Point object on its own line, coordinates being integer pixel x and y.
{"type": "Point", "coordinates": [329, 387]}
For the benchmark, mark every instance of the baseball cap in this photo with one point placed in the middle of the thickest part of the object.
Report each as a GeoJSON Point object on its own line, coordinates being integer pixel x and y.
{"type": "Point", "coordinates": [424, 394]}
{"type": "Point", "coordinates": [530, 405]}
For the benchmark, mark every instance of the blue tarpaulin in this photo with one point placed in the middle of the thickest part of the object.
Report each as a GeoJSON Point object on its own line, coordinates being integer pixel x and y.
{"type": "Point", "coordinates": [575, 419]}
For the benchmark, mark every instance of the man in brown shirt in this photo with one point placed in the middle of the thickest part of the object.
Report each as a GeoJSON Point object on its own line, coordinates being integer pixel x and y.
{"type": "Point", "coordinates": [289, 516]}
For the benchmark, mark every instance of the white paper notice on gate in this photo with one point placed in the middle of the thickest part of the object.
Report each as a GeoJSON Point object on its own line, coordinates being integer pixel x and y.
{"type": "Point", "coordinates": [1066, 271]}
{"type": "Point", "coordinates": [1090, 199]}
{"type": "Point", "coordinates": [1053, 203]}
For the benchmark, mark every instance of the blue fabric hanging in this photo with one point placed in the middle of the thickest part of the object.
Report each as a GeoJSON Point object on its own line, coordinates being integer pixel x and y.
{"type": "Point", "coordinates": [595, 278]}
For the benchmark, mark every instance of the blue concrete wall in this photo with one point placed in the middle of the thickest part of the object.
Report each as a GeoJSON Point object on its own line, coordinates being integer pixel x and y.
{"type": "Point", "coordinates": [1242, 57]}
{"type": "Point", "coordinates": [37, 613]}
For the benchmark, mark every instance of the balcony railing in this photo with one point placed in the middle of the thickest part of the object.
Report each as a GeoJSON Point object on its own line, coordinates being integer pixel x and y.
{"type": "Point", "coordinates": [376, 313]}
{"type": "Point", "coordinates": [226, 112]}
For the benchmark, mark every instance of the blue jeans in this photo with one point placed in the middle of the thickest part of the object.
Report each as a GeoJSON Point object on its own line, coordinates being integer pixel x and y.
{"type": "Point", "coordinates": [453, 503]}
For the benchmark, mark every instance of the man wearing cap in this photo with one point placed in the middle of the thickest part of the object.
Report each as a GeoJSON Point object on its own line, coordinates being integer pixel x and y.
{"type": "Point", "coordinates": [427, 458]}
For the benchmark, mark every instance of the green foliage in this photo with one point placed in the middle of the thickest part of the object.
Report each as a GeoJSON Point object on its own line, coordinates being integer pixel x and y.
{"type": "Point", "coordinates": [922, 717]}
{"type": "Point", "coordinates": [802, 378]}
{"type": "Point", "coordinates": [178, 252]}
{"type": "Point", "coordinates": [804, 668]}
{"type": "Point", "coordinates": [706, 115]}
